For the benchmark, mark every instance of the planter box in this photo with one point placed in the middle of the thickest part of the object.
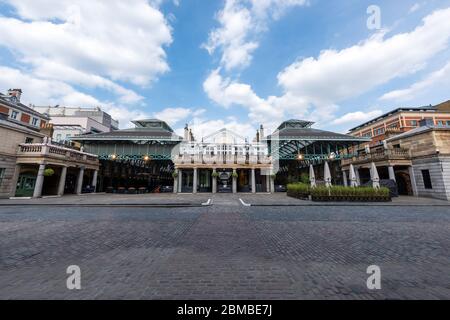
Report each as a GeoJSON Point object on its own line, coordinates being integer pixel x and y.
{"type": "Point", "coordinates": [350, 199]}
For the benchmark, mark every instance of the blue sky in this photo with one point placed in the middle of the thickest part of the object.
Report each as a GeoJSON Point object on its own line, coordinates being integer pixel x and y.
{"type": "Point", "coordinates": [233, 63]}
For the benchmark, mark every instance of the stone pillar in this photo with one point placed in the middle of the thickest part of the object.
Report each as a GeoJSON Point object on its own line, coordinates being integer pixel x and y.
{"type": "Point", "coordinates": [391, 173]}
{"type": "Point", "coordinates": [214, 182]}
{"type": "Point", "coordinates": [79, 188]}
{"type": "Point", "coordinates": [344, 175]}
{"type": "Point", "coordinates": [94, 181]}
{"type": "Point", "coordinates": [194, 182]}
{"type": "Point", "coordinates": [62, 181]}
{"type": "Point", "coordinates": [175, 183]}
{"type": "Point", "coordinates": [180, 180]}
{"type": "Point", "coordinates": [268, 178]}
{"type": "Point", "coordinates": [14, 180]}
{"type": "Point", "coordinates": [234, 182]}
{"type": "Point", "coordinates": [253, 181]}
{"type": "Point", "coordinates": [272, 182]}
{"type": "Point", "coordinates": [413, 181]}
{"type": "Point", "coordinates": [358, 180]}
{"type": "Point", "coordinates": [39, 182]}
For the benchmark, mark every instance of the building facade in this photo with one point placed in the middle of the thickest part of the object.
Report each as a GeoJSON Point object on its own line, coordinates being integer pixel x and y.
{"type": "Point", "coordinates": [19, 113]}
{"type": "Point", "coordinates": [31, 165]}
{"type": "Point", "coordinates": [71, 121]}
{"type": "Point", "coordinates": [13, 135]}
{"type": "Point", "coordinates": [151, 157]}
{"type": "Point", "coordinates": [429, 151]}
{"type": "Point", "coordinates": [402, 120]}
{"type": "Point", "coordinates": [409, 147]}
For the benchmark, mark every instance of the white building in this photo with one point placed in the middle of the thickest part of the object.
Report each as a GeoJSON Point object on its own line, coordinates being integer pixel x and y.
{"type": "Point", "coordinates": [72, 121]}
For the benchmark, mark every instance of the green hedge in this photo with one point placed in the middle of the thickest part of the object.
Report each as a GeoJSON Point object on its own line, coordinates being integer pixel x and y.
{"type": "Point", "coordinates": [337, 193]}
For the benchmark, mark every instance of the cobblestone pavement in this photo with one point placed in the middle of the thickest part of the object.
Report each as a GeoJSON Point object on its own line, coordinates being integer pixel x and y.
{"type": "Point", "coordinates": [225, 251]}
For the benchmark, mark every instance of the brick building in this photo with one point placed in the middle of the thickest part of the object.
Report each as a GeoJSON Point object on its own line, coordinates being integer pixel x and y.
{"type": "Point", "coordinates": [19, 113]}
{"type": "Point", "coordinates": [402, 120]}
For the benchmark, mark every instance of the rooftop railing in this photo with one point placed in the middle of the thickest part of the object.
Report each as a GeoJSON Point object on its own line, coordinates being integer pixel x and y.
{"type": "Point", "coordinates": [55, 151]}
{"type": "Point", "coordinates": [222, 159]}
{"type": "Point", "coordinates": [378, 155]}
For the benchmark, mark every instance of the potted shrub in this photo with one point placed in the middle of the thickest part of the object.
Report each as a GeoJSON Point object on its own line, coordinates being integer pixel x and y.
{"type": "Point", "coordinates": [175, 174]}
{"type": "Point", "coordinates": [49, 172]}
{"type": "Point", "coordinates": [214, 174]}
{"type": "Point", "coordinates": [234, 175]}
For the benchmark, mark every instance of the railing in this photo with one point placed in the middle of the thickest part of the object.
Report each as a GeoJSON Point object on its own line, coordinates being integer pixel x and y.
{"type": "Point", "coordinates": [55, 151]}
{"type": "Point", "coordinates": [222, 160]}
{"type": "Point", "coordinates": [390, 154]}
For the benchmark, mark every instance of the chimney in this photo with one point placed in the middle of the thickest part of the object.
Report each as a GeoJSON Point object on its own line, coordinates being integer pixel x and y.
{"type": "Point", "coordinates": [186, 133]}
{"type": "Point", "coordinates": [261, 132]}
{"type": "Point", "coordinates": [17, 93]}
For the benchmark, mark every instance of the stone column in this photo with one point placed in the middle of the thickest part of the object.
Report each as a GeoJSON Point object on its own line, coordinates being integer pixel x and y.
{"type": "Point", "coordinates": [413, 181]}
{"type": "Point", "coordinates": [194, 182]}
{"type": "Point", "coordinates": [234, 182]}
{"type": "Point", "coordinates": [94, 181]}
{"type": "Point", "coordinates": [62, 181]}
{"type": "Point", "coordinates": [214, 182]}
{"type": "Point", "coordinates": [79, 188]}
{"type": "Point", "coordinates": [175, 183]}
{"type": "Point", "coordinates": [180, 180]}
{"type": "Point", "coordinates": [253, 181]}
{"type": "Point", "coordinates": [14, 180]}
{"type": "Point", "coordinates": [344, 175]}
{"type": "Point", "coordinates": [272, 182]}
{"type": "Point", "coordinates": [358, 180]}
{"type": "Point", "coordinates": [39, 182]}
{"type": "Point", "coordinates": [391, 173]}
{"type": "Point", "coordinates": [268, 182]}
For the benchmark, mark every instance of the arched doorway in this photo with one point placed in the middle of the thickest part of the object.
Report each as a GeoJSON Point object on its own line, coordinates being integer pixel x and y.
{"type": "Point", "coordinates": [404, 184]}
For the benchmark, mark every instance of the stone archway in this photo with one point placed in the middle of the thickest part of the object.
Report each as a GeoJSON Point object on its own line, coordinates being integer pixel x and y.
{"type": "Point", "coordinates": [404, 183]}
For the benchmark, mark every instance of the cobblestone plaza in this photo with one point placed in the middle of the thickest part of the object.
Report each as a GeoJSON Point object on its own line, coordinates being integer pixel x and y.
{"type": "Point", "coordinates": [278, 248]}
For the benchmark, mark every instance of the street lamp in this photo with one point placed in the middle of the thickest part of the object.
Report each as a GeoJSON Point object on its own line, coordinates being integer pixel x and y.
{"type": "Point", "coordinates": [113, 157]}
{"type": "Point", "coordinates": [146, 158]}
{"type": "Point", "coordinates": [300, 157]}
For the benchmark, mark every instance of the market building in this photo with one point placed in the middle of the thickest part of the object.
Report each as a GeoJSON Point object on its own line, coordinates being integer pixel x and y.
{"type": "Point", "coordinates": [151, 157]}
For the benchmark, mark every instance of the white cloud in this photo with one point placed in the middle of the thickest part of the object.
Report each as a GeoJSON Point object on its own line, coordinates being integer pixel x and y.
{"type": "Point", "coordinates": [227, 93]}
{"type": "Point", "coordinates": [173, 115]}
{"type": "Point", "coordinates": [241, 21]}
{"type": "Point", "coordinates": [415, 7]}
{"type": "Point", "coordinates": [312, 87]}
{"type": "Point", "coordinates": [338, 75]}
{"type": "Point", "coordinates": [439, 78]}
{"type": "Point", "coordinates": [357, 117]}
{"type": "Point", "coordinates": [90, 43]}
{"type": "Point", "coordinates": [46, 92]}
